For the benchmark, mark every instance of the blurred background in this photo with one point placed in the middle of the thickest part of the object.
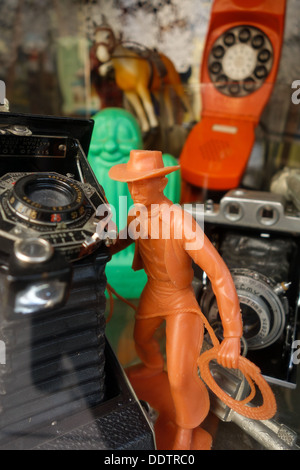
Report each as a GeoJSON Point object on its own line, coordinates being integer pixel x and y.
{"type": "Point", "coordinates": [46, 63]}
{"type": "Point", "coordinates": [49, 68]}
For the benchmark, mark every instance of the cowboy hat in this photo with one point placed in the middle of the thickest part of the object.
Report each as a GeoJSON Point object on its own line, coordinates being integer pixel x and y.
{"type": "Point", "coordinates": [142, 164]}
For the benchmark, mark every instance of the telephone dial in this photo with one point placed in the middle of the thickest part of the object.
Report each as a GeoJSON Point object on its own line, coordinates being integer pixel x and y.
{"type": "Point", "coordinates": [239, 68]}
{"type": "Point", "coordinates": [240, 60]}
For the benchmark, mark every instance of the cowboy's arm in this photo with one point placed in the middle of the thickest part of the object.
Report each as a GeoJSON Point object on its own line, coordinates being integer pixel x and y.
{"type": "Point", "coordinates": [209, 260]}
{"type": "Point", "coordinates": [123, 239]}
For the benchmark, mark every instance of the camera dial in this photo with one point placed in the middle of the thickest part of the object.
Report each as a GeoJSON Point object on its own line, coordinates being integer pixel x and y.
{"type": "Point", "coordinates": [33, 250]}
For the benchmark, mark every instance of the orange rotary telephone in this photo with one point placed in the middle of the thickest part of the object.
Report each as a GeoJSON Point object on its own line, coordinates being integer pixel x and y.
{"type": "Point", "coordinates": [239, 68]}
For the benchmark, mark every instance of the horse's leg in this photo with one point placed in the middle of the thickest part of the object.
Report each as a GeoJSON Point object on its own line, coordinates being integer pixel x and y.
{"type": "Point", "coordinates": [173, 80]}
{"type": "Point", "coordinates": [179, 90]}
{"type": "Point", "coordinates": [137, 106]}
{"type": "Point", "coordinates": [145, 96]}
{"type": "Point", "coordinates": [168, 106]}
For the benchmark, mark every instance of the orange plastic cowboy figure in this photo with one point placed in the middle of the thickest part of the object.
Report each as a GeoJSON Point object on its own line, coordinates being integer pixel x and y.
{"type": "Point", "coordinates": [168, 295]}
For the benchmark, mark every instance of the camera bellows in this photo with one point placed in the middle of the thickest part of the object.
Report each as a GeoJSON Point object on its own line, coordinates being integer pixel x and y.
{"type": "Point", "coordinates": [55, 361]}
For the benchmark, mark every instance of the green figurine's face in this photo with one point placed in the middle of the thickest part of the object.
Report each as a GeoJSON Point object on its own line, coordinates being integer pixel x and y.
{"type": "Point", "coordinates": [114, 137]}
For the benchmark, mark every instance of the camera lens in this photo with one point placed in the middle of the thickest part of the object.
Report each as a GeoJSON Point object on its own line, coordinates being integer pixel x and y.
{"type": "Point", "coordinates": [48, 199]}
{"type": "Point", "coordinates": [49, 196]}
{"type": "Point", "coordinates": [250, 321]}
{"type": "Point", "coordinates": [262, 309]}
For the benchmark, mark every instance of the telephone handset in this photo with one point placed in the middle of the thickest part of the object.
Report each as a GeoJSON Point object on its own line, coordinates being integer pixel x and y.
{"type": "Point", "coordinates": [238, 72]}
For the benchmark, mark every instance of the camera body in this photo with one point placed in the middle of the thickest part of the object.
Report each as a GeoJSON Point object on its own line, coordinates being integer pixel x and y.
{"type": "Point", "coordinates": [61, 386]}
{"type": "Point", "coordinates": [258, 236]}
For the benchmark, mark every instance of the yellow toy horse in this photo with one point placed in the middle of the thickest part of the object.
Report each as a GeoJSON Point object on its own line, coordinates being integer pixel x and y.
{"type": "Point", "coordinates": [138, 74]}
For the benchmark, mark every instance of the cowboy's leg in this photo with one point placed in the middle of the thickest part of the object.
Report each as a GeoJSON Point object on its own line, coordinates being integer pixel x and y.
{"type": "Point", "coordinates": [184, 337]}
{"type": "Point", "coordinates": [147, 347]}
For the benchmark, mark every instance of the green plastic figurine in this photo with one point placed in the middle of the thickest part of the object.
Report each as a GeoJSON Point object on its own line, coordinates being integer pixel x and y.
{"type": "Point", "coordinates": [116, 132]}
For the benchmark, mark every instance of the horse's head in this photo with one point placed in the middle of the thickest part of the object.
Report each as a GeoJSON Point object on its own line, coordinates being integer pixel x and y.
{"type": "Point", "coordinates": [105, 41]}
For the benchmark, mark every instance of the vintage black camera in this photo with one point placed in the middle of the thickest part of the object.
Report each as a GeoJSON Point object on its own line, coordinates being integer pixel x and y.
{"type": "Point", "coordinates": [61, 386]}
{"type": "Point", "coordinates": [258, 236]}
